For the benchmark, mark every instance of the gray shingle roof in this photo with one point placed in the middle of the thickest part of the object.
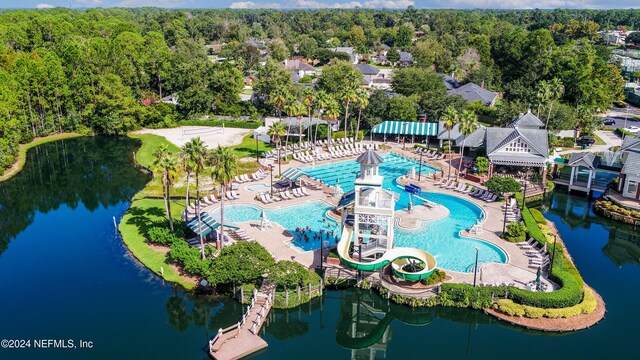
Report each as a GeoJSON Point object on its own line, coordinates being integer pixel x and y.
{"type": "Point", "coordinates": [472, 92]}
{"type": "Point", "coordinates": [405, 57]}
{"type": "Point", "coordinates": [632, 164]}
{"type": "Point", "coordinates": [369, 158]}
{"type": "Point", "coordinates": [367, 69]}
{"type": "Point", "coordinates": [592, 161]}
{"type": "Point", "coordinates": [294, 65]}
{"type": "Point", "coordinates": [630, 142]}
{"type": "Point", "coordinates": [538, 139]}
{"type": "Point", "coordinates": [450, 83]}
{"type": "Point", "coordinates": [527, 120]}
{"type": "Point", "coordinates": [475, 139]}
{"type": "Point", "coordinates": [443, 134]}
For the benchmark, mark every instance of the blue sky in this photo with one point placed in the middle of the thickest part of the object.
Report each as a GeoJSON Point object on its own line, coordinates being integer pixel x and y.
{"type": "Point", "coordinates": [314, 4]}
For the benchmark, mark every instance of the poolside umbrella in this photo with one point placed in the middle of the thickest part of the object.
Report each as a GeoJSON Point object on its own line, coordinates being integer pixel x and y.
{"type": "Point", "coordinates": [265, 223]}
{"type": "Point", "coordinates": [412, 173]}
{"type": "Point", "coordinates": [410, 208]}
{"type": "Point", "coordinates": [538, 273]}
{"type": "Point", "coordinates": [338, 190]}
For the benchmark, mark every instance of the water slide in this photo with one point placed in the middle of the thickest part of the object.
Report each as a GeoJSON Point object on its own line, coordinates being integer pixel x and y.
{"type": "Point", "coordinates": [397, 257]}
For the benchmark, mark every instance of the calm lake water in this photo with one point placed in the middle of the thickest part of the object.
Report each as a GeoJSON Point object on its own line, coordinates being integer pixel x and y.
{"type": "Point", "coordinates": [64, 274]}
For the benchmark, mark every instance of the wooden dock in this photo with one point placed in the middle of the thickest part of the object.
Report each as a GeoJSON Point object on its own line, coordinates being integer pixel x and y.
{"type": "Point", "coordinates": [241, 339]}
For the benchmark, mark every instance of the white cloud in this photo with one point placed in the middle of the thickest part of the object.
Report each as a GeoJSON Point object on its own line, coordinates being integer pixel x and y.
{"type": "Point", "coordinates": [313, 4]}
{"type": "Point", "coordinates": [89, 2]}
{"type": "Point", "coordinates": [154, 3]}
{"type": "Point", "coordinates": [44, 6]}
{"type": "Point", "coordinates": [518, 4]}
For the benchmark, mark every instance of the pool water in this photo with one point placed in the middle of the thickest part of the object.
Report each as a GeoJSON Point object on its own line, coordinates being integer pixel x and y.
{"type": "Point", "coordinates": [259, 188]}
{"type": "Point", "coordinates": [290, 218]}
{"type": "Point", "coordinates": [394, 166]}
{"type": "Point", "coordinates": [441, 238]}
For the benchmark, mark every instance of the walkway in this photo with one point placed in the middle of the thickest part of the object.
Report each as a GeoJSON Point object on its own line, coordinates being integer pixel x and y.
{"type": "Point", "coordinates": [608, 137]}
{"type": "Point", "coordinates": [242, 339]}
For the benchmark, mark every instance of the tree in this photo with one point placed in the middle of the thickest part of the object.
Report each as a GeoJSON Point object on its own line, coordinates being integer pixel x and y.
{"type": "Point", "coordinates": [404, 36]}
{"type": "Point", "coordinates": [278, 50]}
{"type": "Point", "coordinates": [308, 98]}
{"type": "Point", "coordinates": [278, 98]}
{"type": "Point", "coordinates": [362, 100]}
{"type": "Point", "coordinates": [634, 38]}
{"type": "Point", "coordinates": [393, 55]}
{"type": "Point", "coordinates": [288, 274]}
{"type": "Point", "coordinates": [195, 152]}
{"type": "Point", "coordinates": [378, 108]}
{"type": "Point", "coordinates": [467, 125]}
{"type": "Point", "coordinates": [299, 111]}
{"type": "Point", "coordinates": [357, 37]}
{"type": "Point", "coordinates": [450, 118]}
{"type": "Point", "coordinates": [165, 162]}
{"type": "Point", "coordinates": [241, 263]}
{"type": "Point", "coordinates": [339, 77]}
{"type": "Point", "coordinates": [307, 46]}
{"type": "Point", "coordinates": [332, 111]}
{"type": "Point", "coordinates": [403, 108]}
{"type": "Point", "coordinates": [276, 131]}
{"type": "Point", "coordinates": [223, 169]}
{"type": "Point", "coordinates": [347, 96]}
{"type": "Point", "coordinates": [413, 80]}
{"type": "Point", "coordinates": [502, 185]}
{"type": "Point", "coordinates": [556, 90]}
{"type": "Point", "coordinates": [323, 100]}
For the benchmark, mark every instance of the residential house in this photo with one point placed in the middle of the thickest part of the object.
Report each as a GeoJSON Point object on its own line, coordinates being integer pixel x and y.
{"type": "Point", "coordinates": [630, 172]}
{"type": "Point", "coordinates": [298, 69]}
{"type": "Point", "coordinates": [470, 92]}
{"type": "Point", "coordinates": [406, 59]}
{"type": "Point", "coordinates": [349, 51]}
{"type": "Point", "coordinates": [171, 99]}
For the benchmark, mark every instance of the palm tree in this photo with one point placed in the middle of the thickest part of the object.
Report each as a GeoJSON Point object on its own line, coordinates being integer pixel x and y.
{"type": "Point", "coordinates": [278, 98]}
{"type": "Point", "coordinates": [542, 95]}
{"type": "Point", "coordinates": [165, 162]}
{"type": "Point", "coordinates": [323, 100]}
{"type": "Point", "coordinates": [298, 112]}
{"type": "Point", "coordinates": [362, 100]}
{"type": "Point", "coordinates": [185, 163]}
{"type": "Point", "coordinates": [223, 169]}
{"type": "Point", "coordinates": [196, 155]}
{"type": "Point", "coordinates": [348, 96]}
{"type": "Point", "coordinates": [309, 97]}
{"type": "Point", "coordinates": [467, 125]}
{"type": "Point", "coordinates": [289, 108]}
{"type": "Point", "coordinates": [450, 118]}
{"type": "Point", "coordinates": [332, 111]}
{"type": "Point", "coordinates": [276, 131]}
{"type": "Point", "coordinates": [556, 90]}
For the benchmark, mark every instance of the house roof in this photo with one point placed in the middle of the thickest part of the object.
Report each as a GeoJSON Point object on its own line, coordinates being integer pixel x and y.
{"type": "Point", "coordinates": [405, 57]}
{"type": "Point", "coordinates": [367, 69]}
{"type": "Point", "coordinates": [344, 49]}
{"type": "Point", "coordinates": [443, 133]}
{"type": "Point", "coordinates": [475, 139]}
{"type": "Point", "coordinates": [588, 159]}
{"type": "Point", "coordinates": [369, 157]}
{"type": "Point", "coordinates": [472, 92]}
{"type": "Point", "coordinates": [449, 82]}
{"type": "Point", "coordinates": [538, 140]}
{"type": "Point", "coordinates": [385, 46]}
{"type": "Point", "coordinates": [631, 143]}
{"type": "Point", "coordinates": [295, 65]}
{"type": "Point", "coordinates": [527, 120]}
{"type": "Point", "coordinates": [631, 164]}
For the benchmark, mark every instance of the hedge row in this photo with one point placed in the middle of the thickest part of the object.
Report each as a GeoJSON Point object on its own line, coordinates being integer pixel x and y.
{"type": "Point", "coordinates": [587, 306]}
{"type": "Point", "coordinates": [219, 123]}
{"type": "Point", "coordinates": [537, 215]}
{"type": "Point", "coordinates": [462, 295]}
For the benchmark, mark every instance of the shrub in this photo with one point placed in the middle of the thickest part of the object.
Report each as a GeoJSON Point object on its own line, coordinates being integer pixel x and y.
{"type": "Point", "coordinates": [288, 274]}
{"type": "Point", "coordinates": [502, 185]}
{"type": "Point", "coordinates": [516, 232]}
{"type": "Point", "coordinates": [537, 216]}
{"type": "Point", "coordinates": [622, 132]}
{"type": "Point", "coordinates": [190, 258]}
{"type": "Point", "coordinates": [243, 262]}
{"type": "Point", "coordinates": [468, 296]}
{"type": "Point", "coordinates": [587, 306]}
{"type": "Point", "coordinates": [482, 163]}
{"type": "Point", "coordinates": [161, 235]}
{"type": "Point", "coordinates": [340, 134]}
{"type": "Point", "coordinates": [437, 276]}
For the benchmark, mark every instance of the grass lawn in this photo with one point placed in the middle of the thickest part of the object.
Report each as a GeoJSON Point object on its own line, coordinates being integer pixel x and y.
{"type": "Point", "coordinates": [248, 147]}
{"type": "Point", "coordinates": [144, 157]}
{"type": "Point", "coordinates": [133, 226]}
{"type": "Point", "coordinates": [598, 140]}
{"type": "Point", "coordinates": [22, 152]}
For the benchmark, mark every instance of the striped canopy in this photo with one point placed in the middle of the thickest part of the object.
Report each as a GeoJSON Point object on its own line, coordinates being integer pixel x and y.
{"type": "Point", "coordinates": [208, 224]}
{"type": "Point", "coordinates": [406, 128]}
{"type": "Point", "coordinates": [292, 174]}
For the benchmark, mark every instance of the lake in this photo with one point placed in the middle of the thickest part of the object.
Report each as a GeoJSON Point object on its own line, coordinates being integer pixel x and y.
{"type": "Point", "coordinates": [65, 275]}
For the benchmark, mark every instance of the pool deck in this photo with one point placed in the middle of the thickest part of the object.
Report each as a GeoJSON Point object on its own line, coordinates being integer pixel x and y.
{"type": "Point", "coordinates": [277, 240]}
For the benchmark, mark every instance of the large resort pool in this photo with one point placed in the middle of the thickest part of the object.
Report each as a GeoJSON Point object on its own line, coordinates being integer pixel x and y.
{"type": "Point", "coordinates": [441, 237]}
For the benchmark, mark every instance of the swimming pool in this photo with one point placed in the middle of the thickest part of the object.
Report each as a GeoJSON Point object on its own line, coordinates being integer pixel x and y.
{"type": "Point", "coordinates": [394, 166]}
{"type": "Point", "coordinates": [290, 217]}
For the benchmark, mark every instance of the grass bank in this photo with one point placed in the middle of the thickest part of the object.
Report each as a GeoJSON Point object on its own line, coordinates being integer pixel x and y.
{"type": "Point", "coordinates": [22, 152]}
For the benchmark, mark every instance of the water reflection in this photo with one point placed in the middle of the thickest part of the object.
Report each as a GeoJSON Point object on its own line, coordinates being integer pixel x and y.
{"type": "Point", "coordinates": [623, 246]}
{"type": "Point", "coordinates": [93, 171]}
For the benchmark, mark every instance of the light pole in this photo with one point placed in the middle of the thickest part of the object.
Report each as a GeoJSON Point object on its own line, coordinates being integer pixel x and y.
{"type": "Point", "coordinates": [257, 159]}
{"type": "Point", "coordinates": [475, 268]}
{"type": "Point", "coordinates": [626, 114]}
{"type": "Point", "coordinates": [553, 254]}
{"type": "Point", "coordinates": [524, 197]}
{"type": "Point", "coordinates": [504, 223]}
{"type": "Point", "coordinates": [279, 161]}
{"type": "Point", "coordinates": [420, 167]}
{"type": "Point", "coordinates": [404, 134]}
{"type": "Point", "coordinates": [321, 253]}
{"type": "Point", "coordinates": [271, 166]}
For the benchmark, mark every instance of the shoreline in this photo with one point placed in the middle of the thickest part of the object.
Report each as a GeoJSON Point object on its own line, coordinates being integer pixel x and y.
{"type": "Point", "coordinates": [21, 158]}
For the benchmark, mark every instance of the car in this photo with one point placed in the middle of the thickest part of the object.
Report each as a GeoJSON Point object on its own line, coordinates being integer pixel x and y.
{"type": "Point", "coordinates": [632, 129]}
{"type": "Point", "coordinates": [585, 141]}
{"type": "Point", "coordinates": [609, 122]}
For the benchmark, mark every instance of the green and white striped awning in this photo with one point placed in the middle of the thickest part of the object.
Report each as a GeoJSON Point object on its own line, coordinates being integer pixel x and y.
{"type": "Point", "coordinates": [209, 224]}
{"type": "Point", "coordinates": [406, 128]}
{"type": "Point", "coordinates": [292, 174]}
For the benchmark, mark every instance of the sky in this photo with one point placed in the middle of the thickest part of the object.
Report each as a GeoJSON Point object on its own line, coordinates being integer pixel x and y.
{"type": "Point", "coordinates": [316, 4]}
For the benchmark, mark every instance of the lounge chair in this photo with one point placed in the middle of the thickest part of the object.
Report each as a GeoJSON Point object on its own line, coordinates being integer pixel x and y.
{"type": "Point", "coordinates": [285, 195]}
{"type": "Point", "coordinates": [304, 191]}
{"type": "Point", "coordinates": [213, 199]}
{"type": "Point", "coordinates": [468, 189]}
{"type": "Point", "coordinates": [229, 196]}
{"type": "Point", "coordinates": [492, 198]}
{"type": "Point", "coordinates": [237, 179]}
{"type": "Point", "coordinates": [452, 186]}
{"type": "Point", "coordinates": [235, 195]}
{"type": "Point", "coordinates": [264, 199]}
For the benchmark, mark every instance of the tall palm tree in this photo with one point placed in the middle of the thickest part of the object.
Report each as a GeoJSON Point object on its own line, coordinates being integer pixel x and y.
{"type": "Point", "coordinates": [348, 96]}
{"type": "Point", "coordinates": [298, 111]}
{"type": "Point", "coordinates": [278, 98]}
{"type": "Point", "coordinates": [362, 100]}
{"type": "Point", "coordinates": [309, 98]}
{"type": "Point", "coordinates": [543, 95]}
{"type": "Point", "coordinates": [556, 90]}
{"type": "Point", "coordinates": [185, 162]}
{"type": "Point", "coordinates": [276, 131]}
{"type": "Point", "coordinates": [450, 118]}
{"type": "Point", "coordinates": [467, 125]}
{"type": "Point", "coordinates": [289, 109]}
{"type": "Point", "coordinates": [164, 161]}
{"type": "Point", "coordinates": [323, 100]}
{"type": "Point", "coordinates": [223, 169]}
{"type": "Point", "coordinates": [196, 156]}
{"type": "Point", "coordinates": [332, 111]}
